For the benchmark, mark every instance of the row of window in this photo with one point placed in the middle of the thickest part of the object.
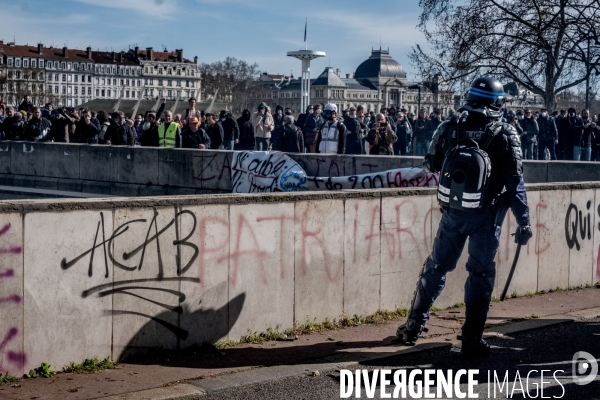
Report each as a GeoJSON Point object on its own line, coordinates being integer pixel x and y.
{"type": "Point", "coordinates": [116, 70]}
{"type": "Point", "coordinates": [25, 75]}
{"type": "Point", "coordinates": [69, 78]}
{"type": "Point", "coordinates": [114, 93]}
{"type": "Point", "coordinates": [36, 63]}
{"type": "Point", "coordinates": [33, 87]}
{"type": "Point", "coordinates": [58, 89]}
{"type": "Point", "coordinates": [178, 83]}
{"type": "Point", "coordinates": [122, 82]}
{"type": "Point", "coordinates": [169, 71]}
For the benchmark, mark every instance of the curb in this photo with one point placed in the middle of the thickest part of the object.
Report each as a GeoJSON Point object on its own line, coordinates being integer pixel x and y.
{"type": "Point", "coordinates": [195, 389]}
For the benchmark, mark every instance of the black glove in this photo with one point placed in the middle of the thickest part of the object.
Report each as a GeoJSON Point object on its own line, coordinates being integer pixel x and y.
{"type": "Point", "coordinates": [523, 234]}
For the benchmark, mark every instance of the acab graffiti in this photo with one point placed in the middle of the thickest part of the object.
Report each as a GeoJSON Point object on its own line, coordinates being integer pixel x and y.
{"type": "Point", "coordinates": [136, 258]}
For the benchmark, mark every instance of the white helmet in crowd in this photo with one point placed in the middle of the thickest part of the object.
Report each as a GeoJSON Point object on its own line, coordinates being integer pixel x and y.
{"type": "Point", "coordinates": [329, 110]}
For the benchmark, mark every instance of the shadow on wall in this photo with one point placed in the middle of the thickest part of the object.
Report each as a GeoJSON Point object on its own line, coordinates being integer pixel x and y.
{"type": "Point", "coordinates": [190, 328]}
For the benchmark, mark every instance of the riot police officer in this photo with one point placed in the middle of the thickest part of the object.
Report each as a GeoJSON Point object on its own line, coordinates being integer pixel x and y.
{"type": "Point", "coordinates": [482, 119]}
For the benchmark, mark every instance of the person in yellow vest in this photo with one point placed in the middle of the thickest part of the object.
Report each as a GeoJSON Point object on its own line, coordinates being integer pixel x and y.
{"type": "Point", "coordinates": [169, 133]}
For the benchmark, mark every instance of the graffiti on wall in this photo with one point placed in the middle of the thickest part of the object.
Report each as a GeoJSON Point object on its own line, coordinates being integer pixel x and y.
{"type": "Point", "coordinates": [578, 228]}
{"type": "Point", "coordinates": [259, 171]}
{"type": "Point", "coordinates": [137, 258]}
{"type": "Point", "coordinates": [11, 357]}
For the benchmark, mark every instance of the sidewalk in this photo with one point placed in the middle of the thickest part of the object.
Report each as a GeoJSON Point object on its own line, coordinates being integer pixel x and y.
{"type": "Point", "coordinates": [179, 374]}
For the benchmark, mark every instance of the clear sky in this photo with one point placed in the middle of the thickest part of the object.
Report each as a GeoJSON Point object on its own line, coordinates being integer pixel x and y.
{"type": "Point", "coordinates": [255, 31]}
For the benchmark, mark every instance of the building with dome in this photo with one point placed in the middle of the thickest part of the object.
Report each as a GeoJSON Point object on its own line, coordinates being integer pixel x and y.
{"type": "Point", "coordinates": [380, 81]}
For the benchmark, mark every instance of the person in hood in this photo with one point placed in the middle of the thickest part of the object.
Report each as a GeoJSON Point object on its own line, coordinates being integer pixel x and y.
{"type": "Point", "coordinates": [302, 118]}
{"type": "Point", "coordinates": [13, 127]}
{"type": "Point", "coordinates": [61, 122]}
{"type": "Point", "coordinates": [582, 137]}
{"type": "Point", "coordinates": [38, 127]}
{"type": "Point", "coordinates": [231, 130]}
{"type": "Point", "coordinates": [356, 130]}
{"type": "Point", "coordinates": [291, 139]}
{"type": "Point", "coordinates": [278, 126]}
{"type": "Point", "coordinates": [313, 123]}
{"type": "Point", "coordinates": [123, 135]}
{"type": "Point", "coordinates": [214, 129]}
{"type": "Point", "coordinates": [246, 141]}
{"type": "Point", "coordinates": [548, 136]}
{"type": "Point", "coordinates": [263, 124]}
{"type": "Point", "coordinates": [529, 135]}
{"type": "Point", "coordinates": [564, 148]}
{"type": "Point", "coordinates": [88, 128]}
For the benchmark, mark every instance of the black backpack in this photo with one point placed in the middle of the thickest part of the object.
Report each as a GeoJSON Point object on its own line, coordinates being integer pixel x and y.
{"type": "Point", "coordinates": [465, 175]}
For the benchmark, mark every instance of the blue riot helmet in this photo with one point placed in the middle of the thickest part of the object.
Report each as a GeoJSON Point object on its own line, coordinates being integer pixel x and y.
{"type": "Point", "coordinates": [486, 95]}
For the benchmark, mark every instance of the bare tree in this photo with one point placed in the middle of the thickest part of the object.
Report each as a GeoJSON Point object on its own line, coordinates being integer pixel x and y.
{"type": "Point", "coordinates": [16, 83]}
{"type": "Point", "coordinates": [235, 79]}
{"type": "Point", "coordinates": [540, 44]}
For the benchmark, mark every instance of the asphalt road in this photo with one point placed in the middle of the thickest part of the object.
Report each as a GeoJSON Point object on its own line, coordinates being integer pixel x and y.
{"type": "Point", "coordinates": [550, 348]}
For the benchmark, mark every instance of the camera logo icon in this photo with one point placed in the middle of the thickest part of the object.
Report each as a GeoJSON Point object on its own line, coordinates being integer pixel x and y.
{"type": "Point", "coordinates": [585, 368]}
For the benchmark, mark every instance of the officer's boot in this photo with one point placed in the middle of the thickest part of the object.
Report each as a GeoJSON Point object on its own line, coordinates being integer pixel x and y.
{"type": "Point", "coordinates": [478, 294]}
{"type": "Point", "coordinates": [431, 282]}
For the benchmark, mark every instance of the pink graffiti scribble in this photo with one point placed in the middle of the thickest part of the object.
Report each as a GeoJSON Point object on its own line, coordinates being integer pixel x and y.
{"type": "Point", "coordinates": [12, 250]}
{"type": "Point", "coordinates": [4, 229]}
{"type": "Point", "coordinates": [9, 273]}
{"type": "Point", "coordinates": [19, 359]}
{"type": "Point", "coordinates": [15, 298]}
{"type": "Point", "coordinates": [12, 332]}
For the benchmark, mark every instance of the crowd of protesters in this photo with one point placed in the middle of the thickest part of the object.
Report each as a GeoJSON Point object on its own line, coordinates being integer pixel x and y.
{"type": "Point", "coordinates": [562, 135]}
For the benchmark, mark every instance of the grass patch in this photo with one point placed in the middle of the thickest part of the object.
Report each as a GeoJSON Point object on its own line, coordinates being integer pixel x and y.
{"type": "Point", "coordinates": [457, 305]}
{"type": "Point", "coordinates": [43, 371]}
{"type": "Point", "coordinates": [6, 378]}
{"type": "Point", "coordinates": [309, 327]}
{"type": "Point", "coordinates": [434, 309]}
{"type": "Point", "coordinates": [91, 365]}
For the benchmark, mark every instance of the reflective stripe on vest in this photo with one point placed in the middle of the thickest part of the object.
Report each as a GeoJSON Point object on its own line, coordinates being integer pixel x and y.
{"type": "Point", "coordinates": [167, 139]}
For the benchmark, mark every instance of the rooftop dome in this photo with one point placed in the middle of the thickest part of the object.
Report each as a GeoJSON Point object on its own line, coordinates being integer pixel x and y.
{"type": "Point", "coordinates": [380, 64]}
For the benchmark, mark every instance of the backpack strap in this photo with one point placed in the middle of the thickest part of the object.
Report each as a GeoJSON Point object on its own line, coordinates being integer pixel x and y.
{"type": "Point", "coordinates": [491, 131]}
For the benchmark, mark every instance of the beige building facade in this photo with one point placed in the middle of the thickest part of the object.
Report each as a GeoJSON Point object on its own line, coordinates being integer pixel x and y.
{"type": "Point", "coordinates": [380, 81]}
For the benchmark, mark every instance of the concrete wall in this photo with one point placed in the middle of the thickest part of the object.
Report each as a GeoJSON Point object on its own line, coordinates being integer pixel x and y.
{"type": "Point", "coordinates": [147, 171]}
{"type": "Point", "coordinates": [85, 278]}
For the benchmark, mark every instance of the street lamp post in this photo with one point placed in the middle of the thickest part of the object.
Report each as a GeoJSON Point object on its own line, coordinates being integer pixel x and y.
{"type": "Point", "coordinates": [417, 86]}
{"type": "Point", "coordinates": [588, 68]}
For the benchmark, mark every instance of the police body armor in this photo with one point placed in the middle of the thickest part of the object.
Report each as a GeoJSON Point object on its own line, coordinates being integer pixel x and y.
{"type": "Point", "coordinates": [465, 174]}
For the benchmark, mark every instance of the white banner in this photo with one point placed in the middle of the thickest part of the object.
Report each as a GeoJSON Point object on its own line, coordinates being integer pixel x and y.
{"type": "Point", "coordinates": [264, 171]}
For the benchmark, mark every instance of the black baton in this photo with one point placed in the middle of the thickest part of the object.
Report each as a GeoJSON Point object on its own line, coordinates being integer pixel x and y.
{"type": "Point", "coordinates": [512, 271]}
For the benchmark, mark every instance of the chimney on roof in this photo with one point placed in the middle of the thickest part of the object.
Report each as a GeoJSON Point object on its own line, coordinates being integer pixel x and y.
{"type": "Point", "coordinates": [137, 51]}
{"type": "Point", "coordinates": [88, 52]}
{"type": "Point", "coordinates": [40, 48]}
{"type": "Point", "coordinates": [120, 59]}
{"type": "Point", "coordinates": [179, 55]}
{"type": "Point", "coordinates": [195, 59]}
{"type": "Point", "coordinates": [149, 53]}
{"type": "Point", "coordinates": [347, 76]}
{"type": "Point", "coordinates": [1, 45]}
{"type": "Point", "coordinates": [113, 56]}
{"type": "Point", "coordinates": [65, 51]}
